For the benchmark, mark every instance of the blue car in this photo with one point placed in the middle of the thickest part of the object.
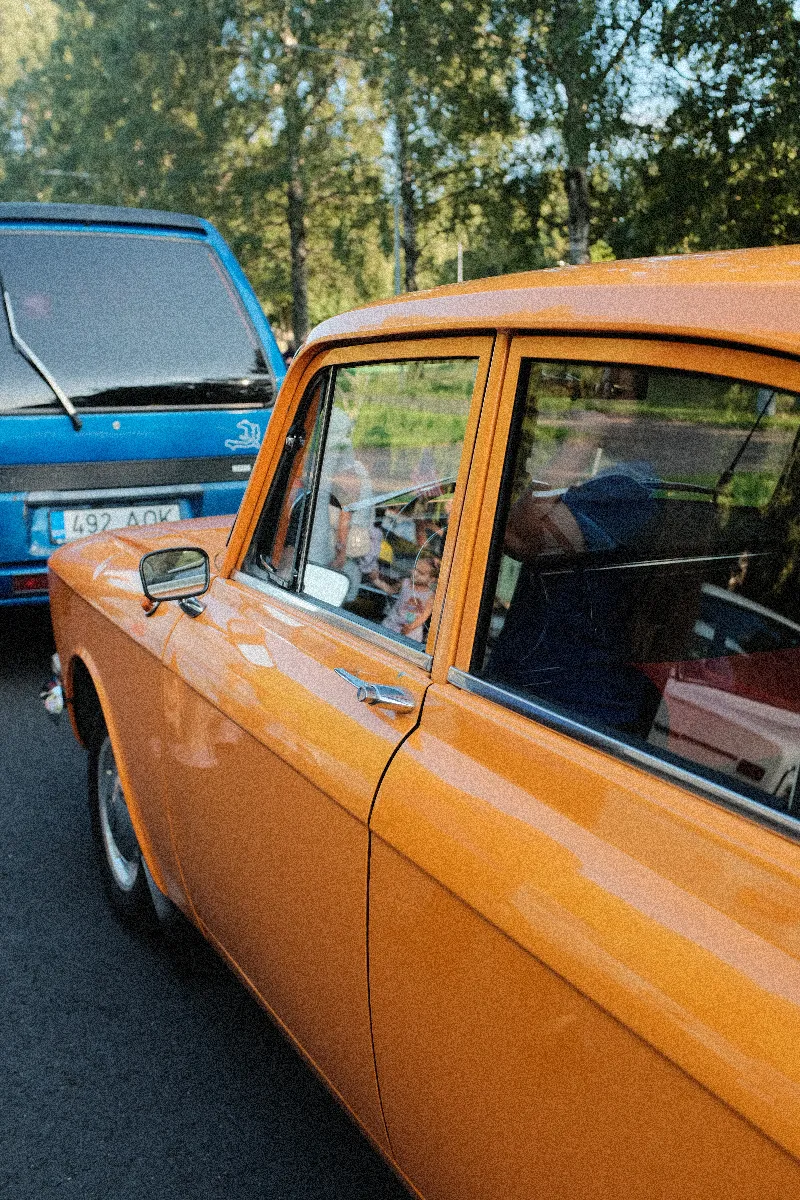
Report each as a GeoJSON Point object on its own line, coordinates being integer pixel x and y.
{"type": "Point", "coordinates": [137, 375]}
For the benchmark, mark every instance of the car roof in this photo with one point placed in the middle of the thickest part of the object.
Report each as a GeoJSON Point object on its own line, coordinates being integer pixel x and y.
{"type": "Point", "coordinates": [98, 214]}
{"type": "Point", "coordinates": [736, 297]}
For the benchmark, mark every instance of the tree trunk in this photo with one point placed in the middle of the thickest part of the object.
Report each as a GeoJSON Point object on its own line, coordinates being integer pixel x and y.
{"type": "Point", "coordinates": [578, 213]}
{"type": "Point", "coordinates": [298, 248]}
{"type": "Point", "coordinates": [407, 208]}
{"type": "Point", "coordinates": [296, 217]}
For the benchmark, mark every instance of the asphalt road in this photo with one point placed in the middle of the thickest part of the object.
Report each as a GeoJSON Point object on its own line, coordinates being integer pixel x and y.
{"type": "Point", "coordinates": [126, 1071]}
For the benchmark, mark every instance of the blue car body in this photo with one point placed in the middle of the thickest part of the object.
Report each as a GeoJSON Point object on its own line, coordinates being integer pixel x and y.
{"type": "Point", "coordinates": [145, 326]}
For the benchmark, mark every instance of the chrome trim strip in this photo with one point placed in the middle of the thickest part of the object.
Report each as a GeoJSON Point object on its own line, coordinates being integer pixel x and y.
{"type": "Point", "coordinates": [650, 562]}
{"type": "Point", "coordinates": [348, 622]}
{"type": "Point", "coordinates": [273, 591]}
{"type": "Point", "coordinates": [70, 499]}
{"type": "Point", "coordinates": [777, 821]}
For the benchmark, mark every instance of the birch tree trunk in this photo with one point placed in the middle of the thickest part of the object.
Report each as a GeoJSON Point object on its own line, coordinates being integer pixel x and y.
{"type": "Point", "coordinates": [296, 217]}
{"type": "Point", "coordinates": [407, 208]}
{"type": "Point", "coordinates": [578, 213]}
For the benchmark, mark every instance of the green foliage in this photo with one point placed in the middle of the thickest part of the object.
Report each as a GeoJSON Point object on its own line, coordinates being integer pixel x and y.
{"type": "Point", "coordinates": [411, 405]}
{"type": "Point", "coordinates": [747, 489]}
{"type": "Point", "coordinates": [126, 109]}
{"type": "Point", "coordinates": [396, 425]}
{"type": "Point", "coordinates": [26, 31]}
{"type": "Point", "coordinates": [675, 125]}
{"type": "Point", "coordinates": [722, 170]}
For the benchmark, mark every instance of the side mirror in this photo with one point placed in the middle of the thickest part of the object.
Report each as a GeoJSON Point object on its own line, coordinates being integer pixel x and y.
{"type": "Point", "coordinates": [174, 574]}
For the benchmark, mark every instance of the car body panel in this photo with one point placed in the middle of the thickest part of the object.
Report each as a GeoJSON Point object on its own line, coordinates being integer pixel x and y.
{"type": "Point", "coordinates": [655, 904]}
{"type": "Point", "coordinates": [745, 297]}
{"type": "Point", "coordinates": [575, 968]}
{"type": "Point", "coordinates": [281, 882]}
{"type": "Point", "coordinates": [296, 913]}
{"type": "Point", "coordinates": [545, 1095]}
{"type": "Point", "coordinates": [98, 594]}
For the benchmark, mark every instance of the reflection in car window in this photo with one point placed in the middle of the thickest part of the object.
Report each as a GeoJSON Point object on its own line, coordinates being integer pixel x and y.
{"type": "Point", "coordinates": [275, 551]}
{"type": "Point", "coordinates": [373, 507]}
{"type": "Point", "coordinates": [392, 451]}
{"type": "Point", "coordinates": [644, 574]}
{"type": "Point", "coordinates": [126, 320]}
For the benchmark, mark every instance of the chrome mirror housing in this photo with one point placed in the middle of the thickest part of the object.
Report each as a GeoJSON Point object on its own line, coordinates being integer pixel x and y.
{"type": "Point", "coordinates": [174, 574]}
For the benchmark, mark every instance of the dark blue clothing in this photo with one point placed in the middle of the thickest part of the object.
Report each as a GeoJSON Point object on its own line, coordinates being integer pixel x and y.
{"type": "Point", "coordinates": [566, 636]}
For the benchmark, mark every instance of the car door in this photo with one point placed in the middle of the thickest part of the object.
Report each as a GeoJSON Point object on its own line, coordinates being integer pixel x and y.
{"type": "Point", "coordinates": [277, 736]}
{"type": "Point", "coordinates": [583, 938]}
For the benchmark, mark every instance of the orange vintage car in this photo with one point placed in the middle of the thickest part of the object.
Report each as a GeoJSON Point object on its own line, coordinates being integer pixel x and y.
{"type": "Point", "coordinates": [473, 745]}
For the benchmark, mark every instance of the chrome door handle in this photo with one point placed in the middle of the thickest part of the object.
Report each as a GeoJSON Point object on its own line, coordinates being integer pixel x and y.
{"type": "Point", "coordinates": [379, 693]}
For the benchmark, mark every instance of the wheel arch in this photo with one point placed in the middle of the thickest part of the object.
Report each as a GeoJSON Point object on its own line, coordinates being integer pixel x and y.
{"type": "Point", "coordinates": [91, 713]}
{"type": "Point", "coordinates": [86, 710]}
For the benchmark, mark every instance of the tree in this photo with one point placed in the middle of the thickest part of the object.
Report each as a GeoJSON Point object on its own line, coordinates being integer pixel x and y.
{"type": "Point", "coordinates": [311, 144]}
{"type": "Point", "coordinates": [723, 170]}
{"type": "Point", "coordinates": [26, 32]}
{"type": "Point", "coordinates": [129, 107]}
{"type": "Point", "coordinates": [445, 83]}
{"type": "Point", "coordinates": [583, 61]}
{"type": "Point", "coordinates": [208, 107]}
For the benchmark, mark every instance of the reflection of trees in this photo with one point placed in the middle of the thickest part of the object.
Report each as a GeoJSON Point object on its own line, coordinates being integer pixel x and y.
{"type": "Point", "coordinates": [783, 533]}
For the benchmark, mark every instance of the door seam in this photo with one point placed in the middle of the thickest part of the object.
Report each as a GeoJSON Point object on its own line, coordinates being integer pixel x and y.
{"type": "Point", "coordinates": [391, 759]}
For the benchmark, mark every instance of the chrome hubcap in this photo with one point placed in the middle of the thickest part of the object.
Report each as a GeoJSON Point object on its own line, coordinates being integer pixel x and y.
{"type": "Point", "coordinates": [119, 838]}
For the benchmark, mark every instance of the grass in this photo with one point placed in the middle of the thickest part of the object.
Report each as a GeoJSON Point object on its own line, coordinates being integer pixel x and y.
{"type": "Point", "coordinates": [728, 418]}
{"type": "Point", "coordinates": [398, 427]}
{"type": "Point", "coordinates": [408, 405]}
{"type": "Point", "coordinates": [747, 489]}
{"type": "Point", "coordinates": [730, 408]}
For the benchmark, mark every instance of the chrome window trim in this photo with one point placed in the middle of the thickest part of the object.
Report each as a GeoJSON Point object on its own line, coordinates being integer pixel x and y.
{"type": "Point", "coordinates": [349, 622]}
{"type": "Point", "coordinates": [642, 562]}
{"type": "Point", "coordinates": [777, 821]}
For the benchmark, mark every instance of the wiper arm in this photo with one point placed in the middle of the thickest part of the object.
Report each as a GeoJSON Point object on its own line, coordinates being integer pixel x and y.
{"type": "Point", "coordinates": [38, 366]}
{"type": "Point", "coordinates": [727, 474]}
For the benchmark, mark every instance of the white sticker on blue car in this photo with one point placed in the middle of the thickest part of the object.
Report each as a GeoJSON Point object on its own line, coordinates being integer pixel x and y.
{"type": "Point", "coordinates": [248, 439]}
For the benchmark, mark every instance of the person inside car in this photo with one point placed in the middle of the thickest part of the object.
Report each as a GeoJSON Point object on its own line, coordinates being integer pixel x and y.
{"type": "Point", "coordinates": [567, 636]}
{"type": "Point", "coordinates": [413, 604]}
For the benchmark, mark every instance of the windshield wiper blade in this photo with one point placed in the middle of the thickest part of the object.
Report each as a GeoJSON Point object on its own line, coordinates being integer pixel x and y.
{"type": "Point", "coordinates": [727, 474]}
{"type": "Point", "coordinates": [38, 366]}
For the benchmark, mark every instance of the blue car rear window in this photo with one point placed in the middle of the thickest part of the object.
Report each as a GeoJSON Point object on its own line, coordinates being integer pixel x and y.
{"type": "Point", "coordinates": [125, 320]}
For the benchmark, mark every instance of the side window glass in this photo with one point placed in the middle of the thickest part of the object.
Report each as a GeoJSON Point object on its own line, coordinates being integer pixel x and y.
{"type": "Point", "coordinates": [394, 433]}
{"type": "Point", "coordinates": [275, 552]}
{"type": "Point", "coordinates": [644, 579]}
{"type": "Point", "coordinates": [358, 513]}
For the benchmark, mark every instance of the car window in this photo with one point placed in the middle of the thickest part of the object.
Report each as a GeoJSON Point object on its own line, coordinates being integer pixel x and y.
{"type": "Point", "coordinates": [127, 319]}
{"type": "Point", "coordinates": [274, 554]}
{"type": "Point", "coordinates": [367, 499]}
{"type": "Point", "coordinates": [21, 388]}
{"type": "Point", "coordinates": [643, 580]}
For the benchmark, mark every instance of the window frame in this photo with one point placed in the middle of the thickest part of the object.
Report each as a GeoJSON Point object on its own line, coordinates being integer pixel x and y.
{"type": "Point", "coordinates": [283, 474]}
{"type": "Point", "coordinates": [485, 495]}
{"type": "Point", "coordinates": [472, 346]}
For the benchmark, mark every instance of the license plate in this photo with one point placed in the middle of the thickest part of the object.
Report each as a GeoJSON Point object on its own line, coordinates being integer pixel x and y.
{"type": "Point", "coordinates": [70, 523]}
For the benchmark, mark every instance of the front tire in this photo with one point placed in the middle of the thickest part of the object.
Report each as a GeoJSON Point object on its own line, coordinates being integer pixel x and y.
{"type": "Point", "coordinates": [119, 854]}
